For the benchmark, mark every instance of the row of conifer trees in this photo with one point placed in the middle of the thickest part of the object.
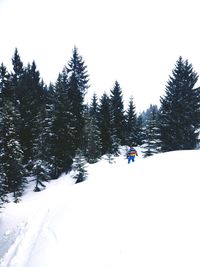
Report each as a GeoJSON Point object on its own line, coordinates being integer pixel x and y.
{"type": "Point", "coordinates": [44, 129]}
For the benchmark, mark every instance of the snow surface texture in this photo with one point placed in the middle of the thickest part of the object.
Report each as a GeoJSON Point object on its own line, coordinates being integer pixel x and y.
{"type": "Point", "coordinates": [143, 214]}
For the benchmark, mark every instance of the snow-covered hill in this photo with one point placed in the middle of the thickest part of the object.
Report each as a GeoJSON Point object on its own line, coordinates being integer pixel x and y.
{"type": "Point", "coordinates": [142, 214]}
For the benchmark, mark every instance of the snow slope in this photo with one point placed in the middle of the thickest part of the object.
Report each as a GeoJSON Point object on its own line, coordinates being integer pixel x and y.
{"type": "Point", "coordinates": [143, 214]}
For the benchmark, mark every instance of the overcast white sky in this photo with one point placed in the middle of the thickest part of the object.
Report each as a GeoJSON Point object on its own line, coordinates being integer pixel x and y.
{"type": "Point", "coordinates": [134, 42]}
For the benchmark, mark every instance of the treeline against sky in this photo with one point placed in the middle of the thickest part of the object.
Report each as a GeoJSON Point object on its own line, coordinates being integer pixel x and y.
{"type": "Point", "coordinates": [46, 130]}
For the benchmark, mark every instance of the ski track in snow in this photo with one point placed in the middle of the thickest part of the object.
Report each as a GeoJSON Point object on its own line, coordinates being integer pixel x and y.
{"type": "Point", "coordinates": [19, 241]}
{"type": "Point", "coordinates": [25, 241]}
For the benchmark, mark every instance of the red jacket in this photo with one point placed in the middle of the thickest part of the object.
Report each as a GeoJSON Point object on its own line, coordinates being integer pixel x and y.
{"type": "Point", "coordinates": [132, 152]}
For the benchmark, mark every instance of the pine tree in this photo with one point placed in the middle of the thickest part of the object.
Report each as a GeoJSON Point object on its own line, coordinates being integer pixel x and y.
{"type": "Point", "coordinates": [92, 133]}
{"type": "Point", "coordinates": [77, 68]}
{"type": "Point", "coordinates": [131, 121]}
{"type": "Point", "coordinates": [11, 169]}
{"type": "Point", "coordinates": [77, 88]}
{"type": "Point", "coordinates": [11, 155]}
{"type": "Point", "coordinates": [63, 130]}
{"type": "Point", "coordinates": [17, 75]}
{"type": "Point", "coordinates": [4, 88]}
{"type": "Point", "coordinates": [42, 148]}
{"type": "Point", "coordinates": [29, 92]}
{"type": "Point", "coordinates": [77, 109]}
{"type": "Point", "coordinates": [180, 109]}
{"type": "Point", "coordinates": [140, 130]}
{"type": "Point", "coordinates": [18, 68]}
{"type": "Point", "coordinates": [104, 121]}
{"type": "Point", "coordinates": [117, 117]}
{"type": "Point", "coordinates": [152, 132]}
{"type": "Point", "coordinates": [5, 84]}
{"type": "Point", "coordinates": [79, 166]}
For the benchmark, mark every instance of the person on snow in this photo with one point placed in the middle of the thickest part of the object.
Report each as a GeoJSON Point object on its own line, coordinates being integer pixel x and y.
{"type": "Point", "coordinates": [131, 154]}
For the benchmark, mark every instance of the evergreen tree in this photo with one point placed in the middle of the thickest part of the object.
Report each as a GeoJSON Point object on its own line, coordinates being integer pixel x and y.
{"type": "Point", "coordinates": [131, 121]}
{"type": "Point", "coordinates": [77, 87]}
{"type": "Point", "coordinates": [152, 132]}
{"type": "Point", "coordinates": [140, 130]}
{"type": "Point", "coordinates": [30, 97]}
{"type": "Point", "coordinates": [18, 68]}
{"type": "Point", "coordinates": [180, 109]}
{"type": "Point", "coordinates": [16, 77]}
{"type": "Point", "coordinates": [4, 88]}
{"type": "Point", "coordinates": [94, 107]}
{"type": "Point", "coordinates": [42, 149]}
{"type": "Point", "coordinates": [104, 121]}
{"type": "Point", "coordinates": [11, 155]}
{"type": "Point", "coordinates": [77, 68]}
{"type": "Point", "coordinates": [79, 166]}
{"type": "Point", "coordinates": [92, 133]}
{"type": "Point", "coordinates": [63, 130]}
{"type": "Point", "coordinates": [146, 115]}
{"type": "Point", "coordinates": [77, 109]}
{"type": "Point", "coordinates": [117, 117]}
{"type": "Point", "coordinates": [5, 84]}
